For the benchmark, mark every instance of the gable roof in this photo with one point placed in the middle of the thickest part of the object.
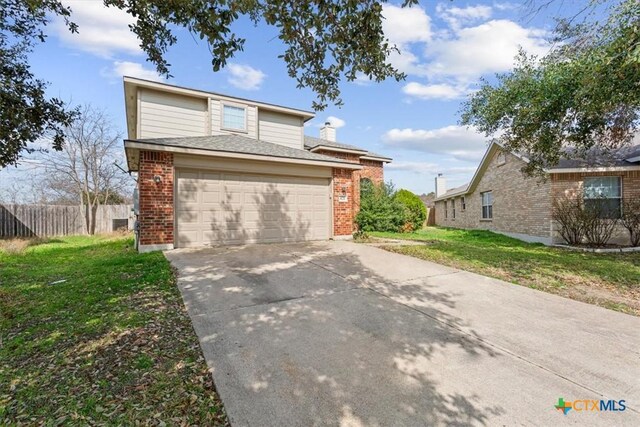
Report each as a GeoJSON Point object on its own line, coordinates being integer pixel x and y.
{"type": "Point", "coordinates": [597, 160]}
{"type": "Point", "coordinates": [312, 143]}
{"type": "Point", "coordinates": [233, 146]}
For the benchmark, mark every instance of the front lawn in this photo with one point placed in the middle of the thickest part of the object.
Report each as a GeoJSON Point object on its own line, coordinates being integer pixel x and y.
{"type": "Point", "coordinates": [93, 333]}
{"type": "Point", "coordinates": [608, 280]}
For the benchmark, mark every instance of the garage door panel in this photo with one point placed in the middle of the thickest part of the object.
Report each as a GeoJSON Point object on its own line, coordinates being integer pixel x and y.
{"type": "Point", "coordinates": [216, 208]}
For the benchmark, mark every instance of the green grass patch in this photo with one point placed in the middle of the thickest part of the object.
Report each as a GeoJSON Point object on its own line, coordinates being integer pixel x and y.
{"type": "Point", "coordinates": [94, 333]}
{"type": "Point", "coordinates": [610, 280]}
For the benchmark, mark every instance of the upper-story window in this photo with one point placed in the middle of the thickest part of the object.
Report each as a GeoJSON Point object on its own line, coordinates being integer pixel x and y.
{"type": "Point", "coordinates": [501, 158]}
{"type": "Point", "coordinates": [604, 195]}
{"type": "Point", "coordinates": [234, 118]}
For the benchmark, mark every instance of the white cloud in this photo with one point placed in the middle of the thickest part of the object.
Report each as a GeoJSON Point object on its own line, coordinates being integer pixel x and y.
{"type": "Point", "coordinates": [404, 26]}
{"type": "Point", "coordinates": [443, 91]}
{"type": "Point", "coordinates": [336, 122]}
{"type": "Point", "coordinates": [457, 16]}
{"type": "Point", "coordinates": [103, 31]}
{"type": "Point", "coordinates": [486, 48]}
{"type": "Point", "coordinates": [429, 168]}
{"type": "Point", "coordinates": [245, 77]}
{"type": "Point", "coordinates": [459, 142]}
{"type": "Point", "coordinates": [452, 58]}
{"type": "Point", "coordinates": [132, 69]}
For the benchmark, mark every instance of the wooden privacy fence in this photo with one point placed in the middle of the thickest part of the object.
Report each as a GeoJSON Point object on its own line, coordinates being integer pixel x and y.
{"type": "Point", "coordinates": [48, 220]}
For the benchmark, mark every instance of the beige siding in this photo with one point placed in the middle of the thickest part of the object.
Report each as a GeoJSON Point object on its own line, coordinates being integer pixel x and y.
{"type": "Point", "coordinates": [280, 128]}
{"type": "Point", "coordinates": [168, 115]}
{"type": "Point", "coordinates": [521, 206]}
{"type": "Point", "coordinates": [216, 118]}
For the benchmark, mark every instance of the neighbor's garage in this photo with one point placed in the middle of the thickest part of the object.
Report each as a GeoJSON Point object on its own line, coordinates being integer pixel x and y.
{"type": "Point", "coordinates": [227, 207]}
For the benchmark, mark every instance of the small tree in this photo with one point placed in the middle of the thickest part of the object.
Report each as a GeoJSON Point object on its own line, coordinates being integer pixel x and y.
{"type": "Point", "coordinates": [415, 210]}
{"type": "Point", "coordinates": [631, 220]}
{"type": "Point", "coordinates": [85, 171]}
{"type": "Point", "coordinates": [568, 212]}
{"type": "Point", "coordinates": [379, 210]}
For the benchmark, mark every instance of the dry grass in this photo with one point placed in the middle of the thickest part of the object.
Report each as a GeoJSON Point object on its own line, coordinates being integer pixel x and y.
{"type": "Point", "coordinates": [18, 246]}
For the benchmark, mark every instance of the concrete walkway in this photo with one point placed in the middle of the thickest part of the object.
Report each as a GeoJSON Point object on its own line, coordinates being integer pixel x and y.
{"type": "Point", "coordinates": [336, 333]}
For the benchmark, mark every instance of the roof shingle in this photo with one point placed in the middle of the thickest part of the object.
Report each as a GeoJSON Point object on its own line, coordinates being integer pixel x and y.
{"type": "Point", "coordinates": [239, 144]}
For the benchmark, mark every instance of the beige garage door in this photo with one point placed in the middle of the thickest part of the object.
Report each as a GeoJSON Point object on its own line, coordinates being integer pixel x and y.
{"type": "Point", "coordinates": [217, 208]}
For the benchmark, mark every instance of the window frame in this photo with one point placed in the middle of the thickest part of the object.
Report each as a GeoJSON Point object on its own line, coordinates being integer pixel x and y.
{"type": "Point", "coordinates": [233, 105]}
{"type": "Point", "coordinates": [489, 206]}
{"type": "Point", "coordinates": [446, 210]}
{"type": "Point", "coordinates": [453, 208]}
{"type": "Point", "coordinates": [463, 204]}
{"type": "Point", "coordinates": [618, 198]}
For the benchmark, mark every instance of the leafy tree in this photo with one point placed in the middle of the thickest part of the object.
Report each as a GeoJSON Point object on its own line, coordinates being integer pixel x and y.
{"type": "Point", "coordinates": [26, 113]}
{"type": "Point", "coordinates": [584, 94]}
{"type": "Point", "coordinates": [325, 42]}
{"type": "Point", "coordinates": [379, 210]}
{"type": "Point", "coordinates": [415, 210]}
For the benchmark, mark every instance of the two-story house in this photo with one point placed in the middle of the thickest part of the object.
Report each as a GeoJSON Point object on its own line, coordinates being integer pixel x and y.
{"type": "Point", "coordinates": [215, 170]}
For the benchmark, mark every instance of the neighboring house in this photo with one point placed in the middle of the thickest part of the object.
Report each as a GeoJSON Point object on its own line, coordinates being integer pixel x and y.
{"type": "Point", "coordinates": [214, 169]}
{"type": "Point", "coordinates": [500, 198]}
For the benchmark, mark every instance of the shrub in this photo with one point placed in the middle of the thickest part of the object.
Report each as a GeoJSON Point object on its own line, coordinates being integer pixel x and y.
{"type": "Point", "coordinates": [579, 221]}
{"type": "Point", "coordinates": [415, 210]}
{"type": "Point", "coordinates": [631, 220]}
{"type": "Point", "coordinates": [379, 211]}
{"type": "Point", "coordinates": [598, 223]}
{"type": "Point", "coordinates": [568, 212]}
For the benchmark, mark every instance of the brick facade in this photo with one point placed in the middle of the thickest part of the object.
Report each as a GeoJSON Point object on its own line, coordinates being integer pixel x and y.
{"type": "Point", "coordinates": [571, 184]}
{"type": "Point", "coordinates": [344, 213]}
{"type": "Point", "coordinates": [521, 205]}
{"type": "Point", "coordinates": [345, 197]}
{"type": "Point", "coordinates": [156, 199]}
{"type": "Point", "coordinates": [156, 218]}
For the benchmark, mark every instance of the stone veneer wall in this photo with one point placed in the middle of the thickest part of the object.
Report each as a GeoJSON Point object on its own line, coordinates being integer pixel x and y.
{"type": "Point", "coordinates": [156, 199]}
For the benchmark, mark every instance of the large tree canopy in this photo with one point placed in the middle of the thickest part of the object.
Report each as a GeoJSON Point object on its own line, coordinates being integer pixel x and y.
{"type": "Point", "coordinates": [584, 95]}
{"type": "Point", "coordinates": [324, 43]}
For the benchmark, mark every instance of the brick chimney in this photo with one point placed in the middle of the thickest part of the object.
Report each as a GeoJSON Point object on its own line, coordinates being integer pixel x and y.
{"type": "Point", "coordinates": [328, 132]}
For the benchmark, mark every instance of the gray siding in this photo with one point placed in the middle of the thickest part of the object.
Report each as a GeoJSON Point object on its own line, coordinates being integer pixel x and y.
{"type": "Point", "coordinates": [280, 128]}
{"type": "Point", "coordinates": [168, 115]}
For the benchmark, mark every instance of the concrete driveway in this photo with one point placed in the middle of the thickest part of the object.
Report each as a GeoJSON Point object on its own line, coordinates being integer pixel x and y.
{"type": "Point", "coordinates": [336, 333]}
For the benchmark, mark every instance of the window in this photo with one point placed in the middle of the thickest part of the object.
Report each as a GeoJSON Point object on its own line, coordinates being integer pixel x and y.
{"type": "Point", "coordinates": [463, 203]}
{"type": "Point", "coordinates": [446, 210]}
{"type": "Point", "coordinates": [487, 205]}
{"type": "Point", "coordinates": [453, 209]}
{"type": "Point", "coordinates": [604, 194]}
{"type": "Point", "coordinates": [501, 159]}
{"type": "Point", "coordinates": [234, 118]}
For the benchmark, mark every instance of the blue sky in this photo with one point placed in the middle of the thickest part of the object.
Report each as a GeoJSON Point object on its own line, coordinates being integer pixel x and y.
{"type": "Point", "coordinates": [445, 48]}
